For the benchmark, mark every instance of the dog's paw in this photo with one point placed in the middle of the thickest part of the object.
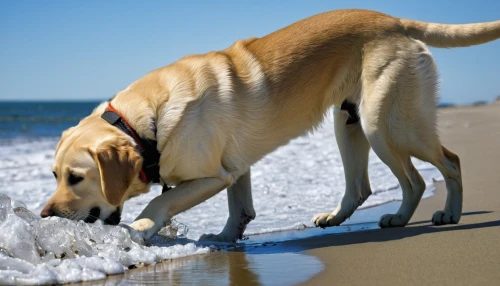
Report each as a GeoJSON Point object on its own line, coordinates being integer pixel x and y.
{"type": "Point", "coordinates": [142, 229]}
{"type": "Point", "coordinates": [217, 238]}
{"type": "Point", "coordinates": [326, 220]}
{"type": "Point", "coordinates": [392, 220]}
{"type": "Point", "coordinates": [444, 217]}
{"type": "Point", "coordinates": [135, 235]}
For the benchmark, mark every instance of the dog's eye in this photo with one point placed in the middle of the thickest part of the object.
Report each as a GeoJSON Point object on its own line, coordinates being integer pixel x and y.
{"type": "Point", "coordinates": [74, 179]}
{"type": "Point", "coordinates": [55, 175]}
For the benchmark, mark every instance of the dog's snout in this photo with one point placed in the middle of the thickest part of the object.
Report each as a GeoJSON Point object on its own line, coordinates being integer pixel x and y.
{"type": "Point", "coordinates": [47, 211]}
{"type": "Point", "coordinates": [93, 215]}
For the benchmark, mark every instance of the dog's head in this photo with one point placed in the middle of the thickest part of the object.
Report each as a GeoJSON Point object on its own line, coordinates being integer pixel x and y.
{"type": "Point", "coordinates": [96, 168]}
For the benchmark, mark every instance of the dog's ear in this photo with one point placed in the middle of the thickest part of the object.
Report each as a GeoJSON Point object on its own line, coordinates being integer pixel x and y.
{"type": "Point", "coordinates": [118, 164]}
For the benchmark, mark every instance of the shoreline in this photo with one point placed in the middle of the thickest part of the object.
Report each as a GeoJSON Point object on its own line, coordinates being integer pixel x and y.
{"type": "Point", "coordinates": [259, 253]}
{"type": "Point", "coordinates": [287, 248]}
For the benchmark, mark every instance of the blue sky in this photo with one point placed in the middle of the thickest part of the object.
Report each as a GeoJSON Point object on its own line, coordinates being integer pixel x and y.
{"type": "Point", "coordinates": [74, 50]}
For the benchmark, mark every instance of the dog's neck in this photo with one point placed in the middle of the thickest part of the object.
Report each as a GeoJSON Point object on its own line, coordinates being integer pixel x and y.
{"type": "Point", "coordinates": [150, 171]}
{"type": "Point", "coordinates": [140, 113]}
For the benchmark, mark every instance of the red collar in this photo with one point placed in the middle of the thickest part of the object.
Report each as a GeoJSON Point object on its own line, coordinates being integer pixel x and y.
{"type": "Point", "coordinates": [150, 171]}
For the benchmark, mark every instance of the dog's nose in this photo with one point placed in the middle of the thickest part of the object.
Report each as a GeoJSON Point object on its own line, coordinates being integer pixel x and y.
{"type": "Point", "coordinates": [47, 211]}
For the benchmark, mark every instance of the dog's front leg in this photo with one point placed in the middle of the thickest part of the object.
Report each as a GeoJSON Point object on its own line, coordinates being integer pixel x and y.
{"type": "Point", "coordinates": [184, 196]}
{"type": "Point", "coordinates": [354, 148]}
{"type": "Point", "coordinates": [241, 211]}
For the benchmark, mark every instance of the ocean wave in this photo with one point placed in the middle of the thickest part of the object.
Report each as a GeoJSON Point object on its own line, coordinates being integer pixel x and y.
{"type": "Point", "coordinates": [56, 250]}
{"type": "Point", "coordinates": [38, 119]}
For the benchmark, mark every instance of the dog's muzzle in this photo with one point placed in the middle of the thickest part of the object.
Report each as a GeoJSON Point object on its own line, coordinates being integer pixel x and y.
{"type": "Point", "coordinates": [93, 215]}
{"type": "Point", "coordinates": [113, 219]}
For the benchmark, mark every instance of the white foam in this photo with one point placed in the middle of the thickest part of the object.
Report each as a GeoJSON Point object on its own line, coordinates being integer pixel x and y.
{"type": "Point", "coordinates": [55, 250]}
{"type": "Point", "coordinates": [297, 226]}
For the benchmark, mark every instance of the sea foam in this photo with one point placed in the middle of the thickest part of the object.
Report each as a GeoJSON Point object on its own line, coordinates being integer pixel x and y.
{"type": "Point", "coordinates": [56, 250]}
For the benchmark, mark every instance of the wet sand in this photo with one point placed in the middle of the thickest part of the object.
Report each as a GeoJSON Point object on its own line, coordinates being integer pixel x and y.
{"type": "Point", "coordinates": [360, 254]}
{"type": "Point", "coordinates": [224, 268]}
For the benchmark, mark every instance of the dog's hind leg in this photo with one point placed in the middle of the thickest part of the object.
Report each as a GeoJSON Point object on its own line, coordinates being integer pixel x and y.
{"type": "Point", "coordinates": [398, 115]}
{"type": "Point", "coordinates": [448, 164]}
{"type": "Point", "coordinates": [354, 150]}
{"type": "Point", "coordinates": [411, 182]}
{"type": "Point", "coordinates": [397, 112]}
{"type": "Point", "coordinates": [241, 211]}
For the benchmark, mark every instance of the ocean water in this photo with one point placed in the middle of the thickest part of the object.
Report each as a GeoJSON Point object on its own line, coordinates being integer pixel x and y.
{"type": "Point", "coordinates": [289, 185]}
{"type": "Point", "coordinates": [32, 120]}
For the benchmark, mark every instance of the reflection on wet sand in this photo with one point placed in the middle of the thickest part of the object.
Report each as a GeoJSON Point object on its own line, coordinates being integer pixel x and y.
{"type": "Point", "coordinates": [264, 259]}
{"type": "Point", "coordinates": [246, 267]}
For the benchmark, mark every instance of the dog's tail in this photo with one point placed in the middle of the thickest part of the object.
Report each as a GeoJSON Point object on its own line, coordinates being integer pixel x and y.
{"type": "Point", "coordinates": [450, 36]}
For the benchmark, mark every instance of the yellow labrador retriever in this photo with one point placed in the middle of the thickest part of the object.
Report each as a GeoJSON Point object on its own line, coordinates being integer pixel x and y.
{"type": "Point", "coordinates": [200, 123]}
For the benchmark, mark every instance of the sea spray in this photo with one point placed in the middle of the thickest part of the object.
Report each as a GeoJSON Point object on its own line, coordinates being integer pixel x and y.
{"type": "Point", "coordinates": [57, 250]}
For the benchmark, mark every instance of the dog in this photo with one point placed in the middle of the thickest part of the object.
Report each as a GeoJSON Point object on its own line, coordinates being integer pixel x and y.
{"type": "Point", "coordinates": [200, 123]}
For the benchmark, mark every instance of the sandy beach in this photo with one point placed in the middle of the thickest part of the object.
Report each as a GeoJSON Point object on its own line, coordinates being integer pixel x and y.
{"type": "Point", "coordinates": [361, 254]}
{"type": "Point", "coordinates": [464, 254]}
